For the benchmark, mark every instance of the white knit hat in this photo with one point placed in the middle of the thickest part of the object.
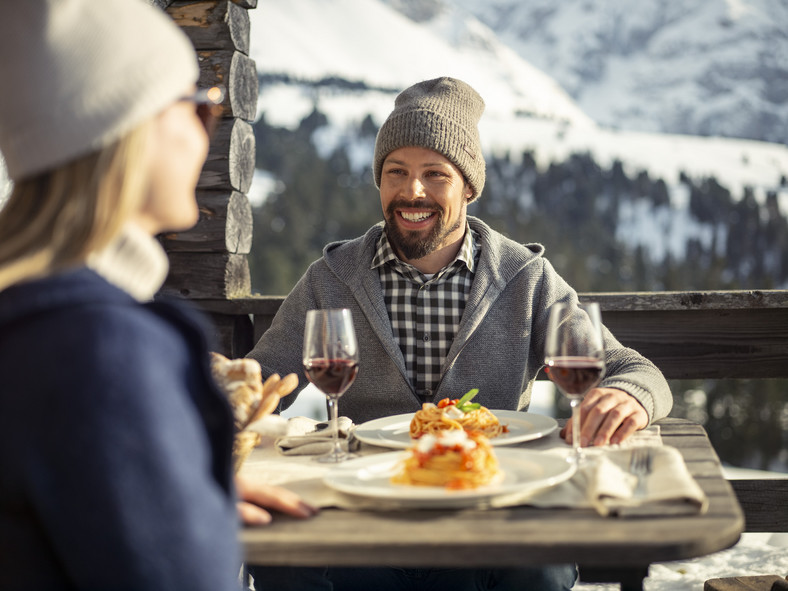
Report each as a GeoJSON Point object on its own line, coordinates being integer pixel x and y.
{"type": "Point", "coordinates": [80, 74]}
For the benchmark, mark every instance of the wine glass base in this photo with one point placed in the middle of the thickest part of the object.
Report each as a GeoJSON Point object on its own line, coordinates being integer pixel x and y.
{"type": "Point", "coordinates": [577, 458]}
{"type": "Point", "coordinates": [334, 457]}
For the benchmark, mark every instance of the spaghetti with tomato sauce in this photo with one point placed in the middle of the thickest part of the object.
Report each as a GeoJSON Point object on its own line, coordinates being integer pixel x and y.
{"type": "Point", "coordinates": [448, 415]}
{"type": "Point", "coordinates": [457, 460]}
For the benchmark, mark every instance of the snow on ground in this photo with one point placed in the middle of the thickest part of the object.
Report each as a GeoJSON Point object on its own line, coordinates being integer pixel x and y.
{"type": "Point", "coordinates": [755, 554]}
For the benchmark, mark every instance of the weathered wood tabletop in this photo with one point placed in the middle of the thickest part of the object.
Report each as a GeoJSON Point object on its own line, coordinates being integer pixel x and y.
{"type": "Point", "coordinates": [607, 549]}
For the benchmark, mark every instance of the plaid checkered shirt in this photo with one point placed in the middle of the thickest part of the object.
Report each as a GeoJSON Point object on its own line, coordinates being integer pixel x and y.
{"type": "Point", "coordinates": [425, 311]}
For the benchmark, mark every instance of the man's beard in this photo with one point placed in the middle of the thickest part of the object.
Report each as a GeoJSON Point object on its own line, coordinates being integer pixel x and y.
{"type": "Point", "coordinates": [414, 245]}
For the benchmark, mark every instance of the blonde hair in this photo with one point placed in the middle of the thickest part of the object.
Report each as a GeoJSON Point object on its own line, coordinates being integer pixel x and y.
{"type": "Point", "coordinates": [55, 219]}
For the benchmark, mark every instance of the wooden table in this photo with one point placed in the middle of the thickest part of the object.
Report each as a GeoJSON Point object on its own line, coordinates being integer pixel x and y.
{"type": "Point", "coordinates": [607, 549]}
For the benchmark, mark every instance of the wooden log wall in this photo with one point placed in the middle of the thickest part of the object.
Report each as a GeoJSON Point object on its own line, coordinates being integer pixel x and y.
{"type": "Point", "coordinates": [209, 261]}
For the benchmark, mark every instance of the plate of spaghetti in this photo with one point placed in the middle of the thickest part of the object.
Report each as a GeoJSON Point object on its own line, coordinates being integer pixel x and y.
{"type": "Point", "coordinates": [456, 415]}
{"type": "Point", "coordinates": [451, 470]}
{"type": "Point", "coordinates": [454, 459]}
{"type": "Point", "coordinates": [396, 432]}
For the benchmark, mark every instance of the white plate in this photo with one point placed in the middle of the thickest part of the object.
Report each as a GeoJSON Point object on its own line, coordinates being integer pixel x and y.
{"type": "Point", "coordinates": [394, 431]}
{"type": "Point", "coordinates": [526, 472]}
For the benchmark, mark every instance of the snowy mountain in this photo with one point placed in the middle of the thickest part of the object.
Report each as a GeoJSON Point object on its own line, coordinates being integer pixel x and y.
{"type": "Point", "coordinates": [351, 57]}
{"type": "Point", "coordinates": [715, 67]}
{"type": "Point", "coordinates": [640, 82]}
{"type": "Point", "coordinates": [313, 40]}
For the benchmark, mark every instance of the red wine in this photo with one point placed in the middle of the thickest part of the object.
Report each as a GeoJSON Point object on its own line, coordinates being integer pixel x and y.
{"type": "Point", "coordinates": [575, 375]}
{"type": "Point", "coordinates": [331, 376]}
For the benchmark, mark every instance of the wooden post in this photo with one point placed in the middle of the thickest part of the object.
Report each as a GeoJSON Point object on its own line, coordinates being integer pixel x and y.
{"type": "Point", "coordinates": [209, 262]}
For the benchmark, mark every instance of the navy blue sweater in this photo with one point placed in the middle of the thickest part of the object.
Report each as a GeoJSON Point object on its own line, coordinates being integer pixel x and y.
{"type": "Point", "coordinates": [115, 445]}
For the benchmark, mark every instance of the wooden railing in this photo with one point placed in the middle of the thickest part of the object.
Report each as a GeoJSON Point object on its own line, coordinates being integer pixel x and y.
{"type": "Point", "coordinates": [688, 335]}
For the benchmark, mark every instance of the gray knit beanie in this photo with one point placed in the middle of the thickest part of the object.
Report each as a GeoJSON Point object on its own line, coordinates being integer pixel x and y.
{"type": "Point", "coordinates": [80, 74]}
{"type": "Point", "coordinates": [441, 115]}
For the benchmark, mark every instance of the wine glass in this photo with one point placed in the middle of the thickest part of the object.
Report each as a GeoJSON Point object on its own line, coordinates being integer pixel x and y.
{"type": "Point", "coordinates": [330, 360]}
{"type": "Point", "coordinates": [575, 357]}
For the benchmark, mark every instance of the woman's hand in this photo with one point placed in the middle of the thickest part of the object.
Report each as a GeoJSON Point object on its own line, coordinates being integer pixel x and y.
{"type": "Point", "coordinates": [607, 415]}
{"type": "Point", "coordinates": [255, 495]}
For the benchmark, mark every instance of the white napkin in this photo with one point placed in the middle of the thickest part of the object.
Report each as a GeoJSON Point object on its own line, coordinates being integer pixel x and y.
{"type": "Point", "coordinates": [305, 436]}
{"type": "Point", "coordinates": [668, 488]}
{"type": "Point", "coordinates": [605, 483]}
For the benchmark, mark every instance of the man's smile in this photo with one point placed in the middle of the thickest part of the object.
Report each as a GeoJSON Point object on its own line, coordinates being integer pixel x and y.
{"type": "Point", "coordinates": [415, 217]}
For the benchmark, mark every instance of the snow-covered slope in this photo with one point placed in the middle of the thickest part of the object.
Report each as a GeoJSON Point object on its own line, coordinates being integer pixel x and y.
{"type": "Point", "coordinates": [365, 40]}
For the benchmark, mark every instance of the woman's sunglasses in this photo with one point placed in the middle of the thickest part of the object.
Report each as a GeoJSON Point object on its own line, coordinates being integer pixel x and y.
{"type": "Point", "coordinates": [209, 106]}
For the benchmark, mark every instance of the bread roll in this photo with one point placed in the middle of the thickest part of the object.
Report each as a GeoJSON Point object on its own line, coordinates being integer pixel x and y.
{"type": "Point", "coordinates": [242, 382]}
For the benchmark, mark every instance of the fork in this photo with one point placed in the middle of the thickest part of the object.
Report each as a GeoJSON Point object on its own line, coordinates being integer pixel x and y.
{"type": "Point", "coordinates": [640, 466]}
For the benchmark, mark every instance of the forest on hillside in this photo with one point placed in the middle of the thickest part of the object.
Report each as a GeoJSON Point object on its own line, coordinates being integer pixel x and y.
{"type": "Point", "coordinates": [584, 214]}
{"type": "Point", "coordinates": [576, 208]}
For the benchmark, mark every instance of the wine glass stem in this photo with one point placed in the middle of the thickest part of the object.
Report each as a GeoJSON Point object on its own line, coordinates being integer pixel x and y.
{"type": "Point", "coordinates": [332, 406]}
{"type": "Point", "coordinates": [575, 404]}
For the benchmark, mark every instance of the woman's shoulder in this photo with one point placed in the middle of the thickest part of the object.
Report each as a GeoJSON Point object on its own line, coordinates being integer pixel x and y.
{"type": "Point", "coordinates": [79, 312]}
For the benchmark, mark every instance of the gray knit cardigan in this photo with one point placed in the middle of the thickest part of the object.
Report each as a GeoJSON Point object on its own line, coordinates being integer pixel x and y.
{"type": "Point", "coordinates": [498, 347]}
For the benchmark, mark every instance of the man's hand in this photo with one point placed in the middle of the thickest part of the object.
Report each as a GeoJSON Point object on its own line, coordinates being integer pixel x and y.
{"type": "Point", "coordinates": [607, 415]}
{"type": "Point", "coordinates": [255, 495]}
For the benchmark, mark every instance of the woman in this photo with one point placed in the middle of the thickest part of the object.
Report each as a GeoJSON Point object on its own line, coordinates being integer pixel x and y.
{"type": "Point", "coordinates": [115, 444]}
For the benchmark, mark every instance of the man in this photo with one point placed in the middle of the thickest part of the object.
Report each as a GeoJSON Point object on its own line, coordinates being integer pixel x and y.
{"type": "Point", "coordinates": [442, 304]}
